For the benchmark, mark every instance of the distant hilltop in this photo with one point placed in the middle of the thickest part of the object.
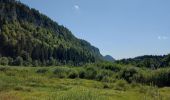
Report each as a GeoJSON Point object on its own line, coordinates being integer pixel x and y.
{"type": "Point", "coordinates": [109, 58]}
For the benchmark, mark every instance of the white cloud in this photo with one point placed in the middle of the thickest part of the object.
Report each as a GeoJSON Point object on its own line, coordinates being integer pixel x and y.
{"type": "Point", "coordinates": [162, 37]}
{"type": "Point", "coordinates": [77, 7]}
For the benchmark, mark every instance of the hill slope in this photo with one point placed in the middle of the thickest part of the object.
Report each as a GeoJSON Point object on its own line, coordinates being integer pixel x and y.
{"type": "Point", "coordinates": [26, 34]}
{"type": "Point", "coordinates": [109, 58]}
{"type": "Point", "coordinates": [148, 61]}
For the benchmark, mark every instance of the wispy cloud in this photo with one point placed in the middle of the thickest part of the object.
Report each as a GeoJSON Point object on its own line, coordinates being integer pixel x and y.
{"type": "Point", "coordinates": [76, 7]}
{"type": "Point", "coordinates": [162, 37]}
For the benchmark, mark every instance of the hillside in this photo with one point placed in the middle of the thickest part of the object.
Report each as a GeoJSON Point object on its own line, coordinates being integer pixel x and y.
{"type": "Point", "coordinates": [109, 58]}
{"type": "Point", "coordinates": [148, 61]}
{"type": "Point", "coordinates": [28, 37]}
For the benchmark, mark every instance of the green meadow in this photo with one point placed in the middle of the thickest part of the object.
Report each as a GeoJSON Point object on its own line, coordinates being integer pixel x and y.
{"type": "Point", "coordinates": [41, 83]}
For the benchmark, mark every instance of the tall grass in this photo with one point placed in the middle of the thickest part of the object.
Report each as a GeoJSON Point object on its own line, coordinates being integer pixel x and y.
{"type": "Point", "coordinates": [44, 83]}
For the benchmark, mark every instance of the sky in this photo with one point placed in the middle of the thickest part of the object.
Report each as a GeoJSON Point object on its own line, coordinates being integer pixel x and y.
{"type": "Point", "coordinates": [120, 28]}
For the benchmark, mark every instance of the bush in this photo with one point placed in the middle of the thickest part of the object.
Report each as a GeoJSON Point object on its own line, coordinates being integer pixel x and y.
{"type": "Point", "coordinates": [128, 74]}
{"type": "Point", "coordinates": [121, 85]}
{"type": "Point", "coordinates": [41, 71]}
{"type": "Point", "coordinates": [73, 74]}
{"type": "Point", "coordinates": [82, 73]}
{"type": "Point", "coordinates": [4, 61]}
{"type": "Point", "coordinates": [4, 69]}
{"type": "Point", "coordinates": [24, 89]}
{"type": "Point", "coordinates": [108, 79]}
{"type": "Point", "coordinates": [106, 86]}
{"type": "Point", "coordinates": [61, 72]}
{"type": "Point", "coordinates": [109, 66]}
{"type": "Point", "coordinates": [103, 74]}
{"type": "Point", "coordinates": [36, 63]}
{"type": "Point", "coordinates": [18, 61]}
{"type": "Point", "coordinates": [11, 60]}
{"type": "Point", "coordinates": [159, 77]}
{"type": "Point", "coordinates": [91, 73]}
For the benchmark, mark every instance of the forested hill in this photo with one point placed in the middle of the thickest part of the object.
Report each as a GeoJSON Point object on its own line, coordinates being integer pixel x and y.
{"type": "Point", "coordinates": [31, 38]}
{"type": "Point", "coordinates": [148, 61]}
{"type": "Point", "coordinates": [109, 58]}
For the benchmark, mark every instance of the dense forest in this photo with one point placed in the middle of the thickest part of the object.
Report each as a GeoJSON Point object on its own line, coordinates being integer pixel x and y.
{"type": "Point", "coordinates": [147, 61]}
{"type": "Point", "coordinates": [28, 37]}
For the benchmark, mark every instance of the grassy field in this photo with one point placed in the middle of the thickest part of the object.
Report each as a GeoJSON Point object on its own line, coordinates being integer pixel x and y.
{"type": "Point", "coordinates": [29, 83]}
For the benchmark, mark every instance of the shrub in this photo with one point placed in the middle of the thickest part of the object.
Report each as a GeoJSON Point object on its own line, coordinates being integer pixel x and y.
{"type": "Point", "coordinates": [108, 79]}
{"type": "Point", "coordinates": [4, 61]}
{"type": "Point", "coordinates": [41, 71]}
{"type": "Point", "coordinates": [52, 62]}
{"type": "Point", "coordinates": [91, 73]}
{"type": "Point", "coordinates": [11, 60]}
{"type": "Point", "coordinates": [106, 86]}
{"type": "Point", "coordinates": [3, 69]}
{"type": "Point", "coordinates": [24, 89]}
{"type": "Point", "coordinates": [134, 84]}
{"type": "Point", "coordinates": [103, 74]}
{"type": "Point", "coordinates": [18, 61]}
{"type": "Point", "coordinates": [36, 63]}
{"type": "Point", "coordinates": [109, 66]}
{"type": "Point", "coordinates": [121, 85]}
{"type": "Point", "coordinates": [61, 72]}
{"type": "Point", "coordinates": [159, 77]}
{"type": "Point", "coordinates": [128, 74]}
{"type": "Point", "coordinates": [73, 74]}
{"type": "Point", "coordinates": [82, 73]}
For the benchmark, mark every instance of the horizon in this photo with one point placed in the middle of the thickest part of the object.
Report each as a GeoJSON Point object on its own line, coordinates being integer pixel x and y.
{"type": "Point", "coordinates": [127, 28]}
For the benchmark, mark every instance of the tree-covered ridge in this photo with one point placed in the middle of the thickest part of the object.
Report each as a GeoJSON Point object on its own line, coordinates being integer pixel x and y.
{"type": "Point", "coordinates": [29, 37]}
{"type": "Point", "coordinates": [148, 61]}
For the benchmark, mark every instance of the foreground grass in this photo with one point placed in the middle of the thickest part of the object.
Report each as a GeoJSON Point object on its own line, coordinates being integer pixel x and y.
{"type": "Point", "coordinates": [25, 83]}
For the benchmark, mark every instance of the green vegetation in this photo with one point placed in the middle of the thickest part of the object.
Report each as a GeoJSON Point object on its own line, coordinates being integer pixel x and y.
{"type": "Point", "coordinates": [42, 83]}
{"type": "Point", "coordinates": [71, 68]}
{"type": "Point", "coordinates": [149, 61]}
{"type": "Point", "coordinates": [30, 38]}
{"type": "Point", "coordinates": [98, 81]}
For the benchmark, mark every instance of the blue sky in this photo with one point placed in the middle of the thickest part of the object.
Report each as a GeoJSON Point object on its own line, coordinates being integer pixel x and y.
{"type": "Point", "coordinates": [120, 28]}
